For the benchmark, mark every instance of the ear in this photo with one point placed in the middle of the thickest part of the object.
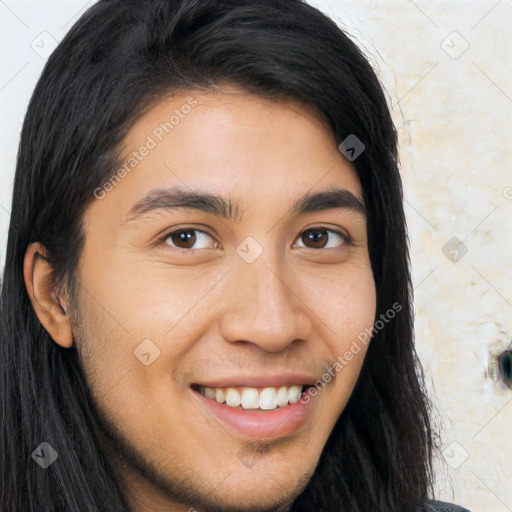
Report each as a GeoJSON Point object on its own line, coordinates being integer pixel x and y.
{"type": "Point", "coordinates": [49, 307]}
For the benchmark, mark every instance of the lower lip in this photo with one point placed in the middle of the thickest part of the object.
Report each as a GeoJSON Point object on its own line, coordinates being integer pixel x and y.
{"type": "Point", "coordinates": [269, 425]}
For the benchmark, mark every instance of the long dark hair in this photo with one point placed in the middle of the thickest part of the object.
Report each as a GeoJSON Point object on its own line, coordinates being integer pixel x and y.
{"type": "Point", "coordinates": [120, 58]}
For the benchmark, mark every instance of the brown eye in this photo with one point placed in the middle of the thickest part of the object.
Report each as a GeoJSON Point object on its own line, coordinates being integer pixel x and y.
{"type": "Point", "coordinates": [188, 238]}
{"type": "Point", "coordinates": [184, 239]}
{"type": "Point", "coordinates": [322, 238]}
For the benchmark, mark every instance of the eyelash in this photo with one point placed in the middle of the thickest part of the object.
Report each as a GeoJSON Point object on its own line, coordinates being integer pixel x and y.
{"type": "Point", "coordinates": [345, 238]}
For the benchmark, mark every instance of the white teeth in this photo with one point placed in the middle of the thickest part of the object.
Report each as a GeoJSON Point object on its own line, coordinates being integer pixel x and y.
{"type": "Point", "coordinates": [250, 398]}
{"type": "Point", "coordinates": [219, 395]}
{"type": "Point", "coordinates": [233, 397]}
{"type": "Point", "coordinates": [282, 396]}
{"type": "Point", "coordinates": [294, 394]}
{"type": "Point", "coordinates": [266, 399]}
{"type": "Point", "coordinates": [209, 393]}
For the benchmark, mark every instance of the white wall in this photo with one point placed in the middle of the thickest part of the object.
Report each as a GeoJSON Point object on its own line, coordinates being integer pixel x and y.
{"type": "Point", "coordinates": [452, 106]}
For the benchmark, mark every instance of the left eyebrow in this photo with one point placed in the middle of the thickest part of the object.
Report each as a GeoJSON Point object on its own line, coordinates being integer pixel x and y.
{"type": "Point", "coordinates": [178, 197]}
{"type": "Point", "coordinates": [333, 198]}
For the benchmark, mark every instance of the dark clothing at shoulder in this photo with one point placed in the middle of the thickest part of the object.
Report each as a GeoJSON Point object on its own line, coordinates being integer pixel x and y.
{"type": "Point", "coordinates": [439, 506]}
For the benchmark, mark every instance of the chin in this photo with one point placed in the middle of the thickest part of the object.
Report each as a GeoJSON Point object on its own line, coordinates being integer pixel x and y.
{"type": "Point", "coordinates": [245, 501]}
{"type": "Point", "coordinates": [265, 490]}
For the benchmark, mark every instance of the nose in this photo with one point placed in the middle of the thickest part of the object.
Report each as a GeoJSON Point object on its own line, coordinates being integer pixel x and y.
{"type": "Point", "coordinates": [265, 308]}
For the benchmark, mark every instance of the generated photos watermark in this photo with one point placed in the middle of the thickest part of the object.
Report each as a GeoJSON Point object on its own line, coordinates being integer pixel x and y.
{"type": "Point", "coordinates": [151, 142]}
{"type": "Point", "coordinates": [342, 361]}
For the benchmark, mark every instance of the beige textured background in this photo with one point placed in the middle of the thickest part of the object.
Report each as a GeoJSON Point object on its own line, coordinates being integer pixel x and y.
{"type": "Point", "coordinates": [446, 68]}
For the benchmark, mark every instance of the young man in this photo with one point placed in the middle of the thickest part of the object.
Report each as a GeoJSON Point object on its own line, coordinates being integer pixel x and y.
{"type": "Point", "coordinates": [206, 301]}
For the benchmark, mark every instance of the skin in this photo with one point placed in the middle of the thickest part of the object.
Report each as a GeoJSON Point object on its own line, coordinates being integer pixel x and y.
{"type": "Point", "coordinates": [209, 312]}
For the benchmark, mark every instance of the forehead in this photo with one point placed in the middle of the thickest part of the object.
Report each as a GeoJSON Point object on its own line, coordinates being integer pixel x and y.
{"type": "Point", "coordinates": [233, 143]}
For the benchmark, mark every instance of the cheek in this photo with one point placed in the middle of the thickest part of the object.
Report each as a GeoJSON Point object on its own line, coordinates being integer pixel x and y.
{"type": "Point", "coordinates": [151, 298]}
{"type": "Point", "coordinates": [346, 306]}
{"type": "Point", "coordinates": [345, 301]}
{"type": "Point", "coordinates": [135, 314]}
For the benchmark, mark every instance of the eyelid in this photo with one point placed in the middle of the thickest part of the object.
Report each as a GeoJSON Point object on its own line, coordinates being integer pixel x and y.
{"type": "Point", "coordinates": [346, 238]}
{"type": "Point", "coordinates": [162, 240]}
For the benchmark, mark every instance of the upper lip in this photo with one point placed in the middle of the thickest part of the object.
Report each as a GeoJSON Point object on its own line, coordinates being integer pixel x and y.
{"type": "Point", "coordinates": [259, 381]}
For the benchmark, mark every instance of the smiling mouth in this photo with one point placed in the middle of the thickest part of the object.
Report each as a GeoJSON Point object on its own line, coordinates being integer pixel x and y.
{"type": "Point", "coordinates": [254, 399]}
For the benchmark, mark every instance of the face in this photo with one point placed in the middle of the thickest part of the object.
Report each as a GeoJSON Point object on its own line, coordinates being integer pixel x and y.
{"type": "Point", "coordinates": [218, 281]}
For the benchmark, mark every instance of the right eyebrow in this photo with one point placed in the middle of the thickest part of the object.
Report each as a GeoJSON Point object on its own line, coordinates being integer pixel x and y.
{"type": "Point", "coordinates": [178, 197]}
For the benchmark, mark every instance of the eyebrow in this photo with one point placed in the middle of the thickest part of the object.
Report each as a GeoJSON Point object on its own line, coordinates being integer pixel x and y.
{"type": "Point", "coordinates": [178, 197]}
